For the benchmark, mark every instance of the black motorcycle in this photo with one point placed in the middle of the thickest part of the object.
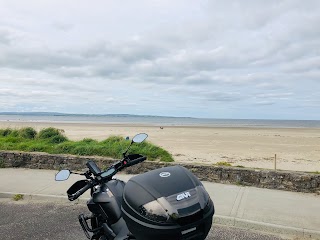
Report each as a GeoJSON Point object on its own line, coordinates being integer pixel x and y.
{"type": "Point", "coordinates": [169, 203]}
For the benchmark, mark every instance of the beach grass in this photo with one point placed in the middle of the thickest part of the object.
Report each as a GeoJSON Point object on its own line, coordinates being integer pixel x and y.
{"type": "Point", "coordinates": [226, 164]}
{"type": "Point", "coordinates": [2, 165]}
{"type": "Point", "coordinates": [18, 197]}
{"type": "Point", "coordinates": [54, 141]}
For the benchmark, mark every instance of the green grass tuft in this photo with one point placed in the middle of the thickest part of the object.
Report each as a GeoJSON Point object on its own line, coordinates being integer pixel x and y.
{"type": "Point", "coordinates": [5, 132]}
{"type": "Point", "coordinates": [52, 133]}
{"type": "Point", "coordinates": [54, 141]}
{"type": "Point", "coordinates": [223, 164]}
{"type": "Point", "coordinates": [239, 183]}
{"type": "Point", "coordinates": [28, 133]}
{"type": "Point", "coordinates": [17, 197]}
{"type": "Point", "coordinates": [2, 164]}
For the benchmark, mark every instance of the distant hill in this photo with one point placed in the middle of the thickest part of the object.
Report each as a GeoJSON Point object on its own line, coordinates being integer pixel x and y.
{"type": "Point", "coordinates": [80, 114]}
{"type": "Point", "coordinates": [34, 113]}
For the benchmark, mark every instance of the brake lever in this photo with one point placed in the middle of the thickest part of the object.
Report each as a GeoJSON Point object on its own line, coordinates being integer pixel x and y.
{"type": "Point", "coordinates": [87, 174]}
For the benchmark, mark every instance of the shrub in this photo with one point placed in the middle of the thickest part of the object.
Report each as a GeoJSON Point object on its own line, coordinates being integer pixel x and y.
{"type": "Point", "coordinates": [14, 133]}
{"type": "Point", "coordinates": [58, 139]}
{"type": "Point", "coordinates": [9, 132]}
{"type": "Point", "coordinates": [28, 133]}
{"type": "Point", "coordinates": [52, 140]}
{"type": "Point", "coordinates": [49, 133]}
{"type": "Point", "coordinates": [52, 134]}
{"type": "Point", "coordinates": [88, 140]}
{"type": "Point", "coordinates": [152, 152]}
{"type": "Point", "coordinates": [5, 132]}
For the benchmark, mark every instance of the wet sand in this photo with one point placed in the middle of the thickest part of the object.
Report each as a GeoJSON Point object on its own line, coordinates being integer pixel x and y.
{"type": "Point", "coordinates": [296, 148]}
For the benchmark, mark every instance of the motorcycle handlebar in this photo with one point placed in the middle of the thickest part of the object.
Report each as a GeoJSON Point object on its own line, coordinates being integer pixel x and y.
{"type": "Point", "coordinates": [77, 194]}
{"type": "Point", "coordinates": [93, 167]}
{"type": "Point", "coordinates": [135, 161]}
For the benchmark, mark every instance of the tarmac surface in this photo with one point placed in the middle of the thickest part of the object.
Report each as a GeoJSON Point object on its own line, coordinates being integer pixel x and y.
{"type": "Point", "coordinates": [282, 213]}
{"type": "Point", "coordinates": [36, 220]}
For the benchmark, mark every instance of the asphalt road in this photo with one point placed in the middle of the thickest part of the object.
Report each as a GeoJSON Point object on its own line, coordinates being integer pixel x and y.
{"type": "Point", "coordinates": [42, 221]}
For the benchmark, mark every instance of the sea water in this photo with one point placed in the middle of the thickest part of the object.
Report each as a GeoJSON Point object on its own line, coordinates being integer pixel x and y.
{"type": "Point", "coordinates": [158, 120]}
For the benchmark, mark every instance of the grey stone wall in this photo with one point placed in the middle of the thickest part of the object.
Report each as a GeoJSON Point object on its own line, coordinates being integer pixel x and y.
{"type": "Point", "coordinates": [282, 180]}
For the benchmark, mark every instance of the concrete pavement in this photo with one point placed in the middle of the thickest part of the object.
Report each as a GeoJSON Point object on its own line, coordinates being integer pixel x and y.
{"type": "Point", "coordinates": [288, 213]}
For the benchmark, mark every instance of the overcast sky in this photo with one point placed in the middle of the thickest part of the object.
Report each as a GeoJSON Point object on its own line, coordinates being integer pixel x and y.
{"type": "Point", "coordinates": [216, 59]}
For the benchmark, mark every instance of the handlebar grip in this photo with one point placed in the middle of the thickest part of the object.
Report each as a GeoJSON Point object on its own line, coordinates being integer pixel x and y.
{"type": "Point", "coordinates": [135, 161]}
{"type": "Point", "coordinates": [77, 194]}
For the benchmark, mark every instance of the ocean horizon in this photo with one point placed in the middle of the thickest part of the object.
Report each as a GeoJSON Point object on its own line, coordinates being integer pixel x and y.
{"type": "Point", "coordinates": [156, 120]}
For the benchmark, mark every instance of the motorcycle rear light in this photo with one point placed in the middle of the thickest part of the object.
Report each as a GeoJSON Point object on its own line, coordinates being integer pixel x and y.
{"type": "Point", "coordinates": [154, 211]}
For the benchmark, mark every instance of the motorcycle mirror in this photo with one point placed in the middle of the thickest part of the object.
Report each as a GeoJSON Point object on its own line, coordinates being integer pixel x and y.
{"type": "Point", "coordinates": [136, 139]}
{"type": "Point", "coordinates": [62, 175]}
{"type": "Point", "coordinates": [139, 137]}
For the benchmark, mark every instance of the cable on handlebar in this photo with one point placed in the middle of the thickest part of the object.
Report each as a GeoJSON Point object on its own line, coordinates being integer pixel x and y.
{"type": "Point", "coordinates": [135, 161]}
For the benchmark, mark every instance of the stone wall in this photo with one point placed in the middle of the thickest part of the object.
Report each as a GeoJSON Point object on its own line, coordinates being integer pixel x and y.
{"type": "Point", "coordinates": [282, 180]}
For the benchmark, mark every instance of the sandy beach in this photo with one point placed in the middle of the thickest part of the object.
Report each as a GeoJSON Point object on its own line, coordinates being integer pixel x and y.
{"type": "Point", "coordinates": [296, 148]}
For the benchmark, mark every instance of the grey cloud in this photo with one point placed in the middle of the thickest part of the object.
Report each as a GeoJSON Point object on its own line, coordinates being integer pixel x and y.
{"type": "Point", "coordinates": [129, 51]}
{"type": "Point", "coordinates": [153, 62]}
{"type": "Point", "coordinates": [197, 80]}
{"type": "Point", "coordinates": [137, 51]}
{"type": "Point", "coordinates": [302, 64]}
{"type": "Point", "coordinates": [275, 95]}
{"type": "Point", "coordinates": [270, 86]}
{"type": "Point", "coordinates": [237, 52]}
{"type": "Point", "coordinates": [224, 96]}
{"type": "Point", "coordinates": [264, 103]}
{"type": "Point", "coordinates": [5, 38]}
{"type": "Point", "coordinates": [44, 87]}
{"type": "Point", "coordinates": [73, 72]}
{"type": "Point", "coordinates": [205, 95]}
{"type": "Point", "coordinates": [8, 35]}
{"type": "Point", "coordinates": [26, 94]}
{"type": "Point", "coordinates": [63, 26]}
{"type": "Point", "coordinates": [39, 60]}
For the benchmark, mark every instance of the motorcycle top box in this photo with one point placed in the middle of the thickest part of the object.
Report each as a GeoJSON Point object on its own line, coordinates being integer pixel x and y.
{"type": "Point", "coordinates": [167, 203]}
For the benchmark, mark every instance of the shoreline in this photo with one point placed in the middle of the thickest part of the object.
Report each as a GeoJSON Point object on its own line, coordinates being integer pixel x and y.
{"type": "Point", "coordinates": [297, 149]}
{"type": "Point", "coordinates": [116, 124]}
